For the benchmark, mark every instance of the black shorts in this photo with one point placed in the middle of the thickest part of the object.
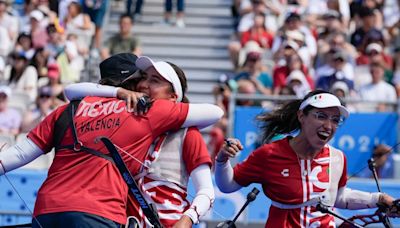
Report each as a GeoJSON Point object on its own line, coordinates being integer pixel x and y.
{"type": "Point", "coordinates": [73, 219]}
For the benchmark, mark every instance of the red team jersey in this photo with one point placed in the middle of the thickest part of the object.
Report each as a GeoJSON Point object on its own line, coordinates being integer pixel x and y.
{"type": "Point", "coordinates": [78, 181]}
{"type": "Point", "coordinates": [170, 198]}
{"type": "Point", "coordinates": [289, 180]}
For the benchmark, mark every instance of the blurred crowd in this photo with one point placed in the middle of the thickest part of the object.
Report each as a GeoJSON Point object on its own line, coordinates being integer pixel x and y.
{"type": "Point", "coordinates": [289, 47]}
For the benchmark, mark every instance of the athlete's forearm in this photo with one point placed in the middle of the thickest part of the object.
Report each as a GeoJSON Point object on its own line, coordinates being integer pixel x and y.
{"type": "Point", "coordinates": [81, 90]}
{"type": "Point", "coordinates": [201, 177]}
{"type": "Point", "coordinates": [18, 155]}
{"type": "Point", "coordinates": [224, 177]}
{"type": "Point", "coordinates": [353, 199]}
{"type": "Point", "coordinates": [203, 115]}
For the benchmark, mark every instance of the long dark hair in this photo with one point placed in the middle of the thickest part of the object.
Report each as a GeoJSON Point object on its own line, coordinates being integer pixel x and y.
{"type": "Point", "coordinates": [284, 119]}
{"type": "Point", "coordinates": [14, 75]}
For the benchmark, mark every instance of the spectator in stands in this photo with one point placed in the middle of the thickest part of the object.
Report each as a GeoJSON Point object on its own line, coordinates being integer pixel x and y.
{"type": "Point", "coordinates": [180, 13]}
{"type": "Point", "coordinates": [293, 22]}
{"type": "Point", "coordinates": [378, 91]}
{"type": "Point", "coordinates": [254, 70]}
{"type": "Point", "coordinates": [258, 33]}
{"type": "Point", "coordinates": [297, 82]}
{"type": "Point", "coordinates": [249, 8]}
{"type": "Point", "coordinates": [391, 16]}
{"type": "Point", "coordinates": [7, 21]}
{"type": "Point", "coordinates": [336, 62]}
{"type": "Point", "coordinates": [245, 86]}
{"type": "Point", "coordinates": [21, 77]}
{"type": "Point", "coordinates": [318, 8]}
{"type": "Point", "coordinates": [96, 9]}
{"type": "Point", "coordinates": [137, 13]}
{"type": "Point", "coordinates": [376, 7]}
{"type": "Point", "coordinates": [334, 41]}
{"type": "Point", "coordinates": [24, 45]}
{"type": "Point", "coordinates": [24, 16]}
{"type": "Point", "coordinates": [374, 52]}
{"type": "Point", "coordinates": [56, 42]}
{"type": "Point", "coordinates": [124, 41]}
{"type": "Point", "coordinates": [76, 55]}
{"type": "Point", "coordinates": [331, 23]}
{"type": "Point", "coordinates": [281, 73]}
{"type": "Point", "coordinates": [342, 91]}
{"type": "Point", "coordinates": [43, 106]}
{"type": "Point", "coordinates": [39, 61]}
{"type": "Point", "coordinates": [5, 43]}
{"type": "Point", "coordinates": [10, 119]}
{"type": "Point", "coordinates": [78, 23]}
{"type": "Point", "coordinates": [366, 31]}
{"type": "Point", "coordinates": [384, 163]}
{"type": "Point", "coordinates": [255, 25]}
{"type": "Point", "coordinates": [396, 70]}
{"type": "Point", "coordinates": [54, 84]}
{"type": "Point", "coordinates": [325, 82]}
{"type": "Point", "coordinates": [38, 29]}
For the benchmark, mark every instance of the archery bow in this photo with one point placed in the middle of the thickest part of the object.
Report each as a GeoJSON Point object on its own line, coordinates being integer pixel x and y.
{"type": "Point", "coordinates": [380, 215]}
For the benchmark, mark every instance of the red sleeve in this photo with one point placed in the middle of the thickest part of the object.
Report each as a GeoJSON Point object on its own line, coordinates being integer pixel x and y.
{"type": "Point", "coordinates": [166, 115]}
{"type": "Point", "coordinates": [195, 151]}
{"type": "Point", "coordinates": [245, 38]}
{"type": "Point", "coordinates": [252, 169]}
{"type": "Point", "coordinates": [343, 178]}
{"type": "Point", "coordinates": [279, 77]}
{"type": "Point", "coordinates": [42, 134]}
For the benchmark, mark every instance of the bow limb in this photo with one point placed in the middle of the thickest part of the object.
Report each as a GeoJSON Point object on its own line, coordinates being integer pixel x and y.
{"type": "Point", "coordinates": [23, 201]}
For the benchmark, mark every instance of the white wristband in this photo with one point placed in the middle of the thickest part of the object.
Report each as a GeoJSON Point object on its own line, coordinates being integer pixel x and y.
{"type": "Point", "coordinates": [192, 214]}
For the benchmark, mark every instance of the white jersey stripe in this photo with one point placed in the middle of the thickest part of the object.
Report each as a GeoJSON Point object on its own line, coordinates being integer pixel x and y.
{"type": "Point", "coordinates": [304, 184]}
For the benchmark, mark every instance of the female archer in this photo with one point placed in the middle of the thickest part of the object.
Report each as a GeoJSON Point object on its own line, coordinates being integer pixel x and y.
{"type": "Point", "coordinates": [299, 172]}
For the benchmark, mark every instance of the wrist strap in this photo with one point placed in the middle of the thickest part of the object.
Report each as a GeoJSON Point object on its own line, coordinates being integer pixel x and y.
{"type": "Point", "coordinates": [192, 214]}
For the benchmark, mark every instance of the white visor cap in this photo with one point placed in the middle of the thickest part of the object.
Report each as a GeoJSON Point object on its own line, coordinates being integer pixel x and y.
{"type": "Point", "coordinates": [165, 70]}
{"type": "Point", "coordinates": [325, 100]}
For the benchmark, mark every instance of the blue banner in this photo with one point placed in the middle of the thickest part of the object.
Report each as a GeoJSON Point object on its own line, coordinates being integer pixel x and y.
{"type": "Point", "coordinates": [225, 207]}
{"type": "Point", "coordinates": [356, 137]}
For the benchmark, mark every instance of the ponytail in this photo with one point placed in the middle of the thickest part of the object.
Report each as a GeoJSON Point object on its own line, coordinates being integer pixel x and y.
{"type": "Point", "coordinates": [284, 119]}
{"type": "Point", "coordinates": [280, 121]}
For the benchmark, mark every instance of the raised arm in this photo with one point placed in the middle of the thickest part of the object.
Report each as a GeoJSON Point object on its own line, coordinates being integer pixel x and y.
{"type": "Point", "coordinates": [18, 155]}
{"type": "Point", "coordinates": [223, 169]}
{"type": "Point", "coordinates": [203, 115]}
{"type": "Point", "coordinates": [83, 89]}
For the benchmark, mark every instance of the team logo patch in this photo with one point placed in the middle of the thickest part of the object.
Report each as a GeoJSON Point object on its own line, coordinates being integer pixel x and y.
{"type": "Point", "coordinates": [285, 172]}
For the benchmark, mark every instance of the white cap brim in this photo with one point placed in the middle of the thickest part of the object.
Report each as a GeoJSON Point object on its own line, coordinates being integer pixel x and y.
{"type": "Point", "coordinates": [325, 100]}
{"type": "Point", "coordinates": [165, 70]}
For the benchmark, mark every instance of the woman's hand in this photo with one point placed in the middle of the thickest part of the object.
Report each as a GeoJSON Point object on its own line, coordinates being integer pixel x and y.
{"type": "Point", "coordinates": [184, 222]}
{"type": "Point", "coordinates": [393, 205]}
{"type": "Point", "coordinates": [229, 150]}
{"type": "Point", "coordinates": [131, 99]}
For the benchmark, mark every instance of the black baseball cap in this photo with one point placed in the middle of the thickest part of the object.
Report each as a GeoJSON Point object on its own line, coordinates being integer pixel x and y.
{"type": "Point", "coordinates": [118, 67]}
